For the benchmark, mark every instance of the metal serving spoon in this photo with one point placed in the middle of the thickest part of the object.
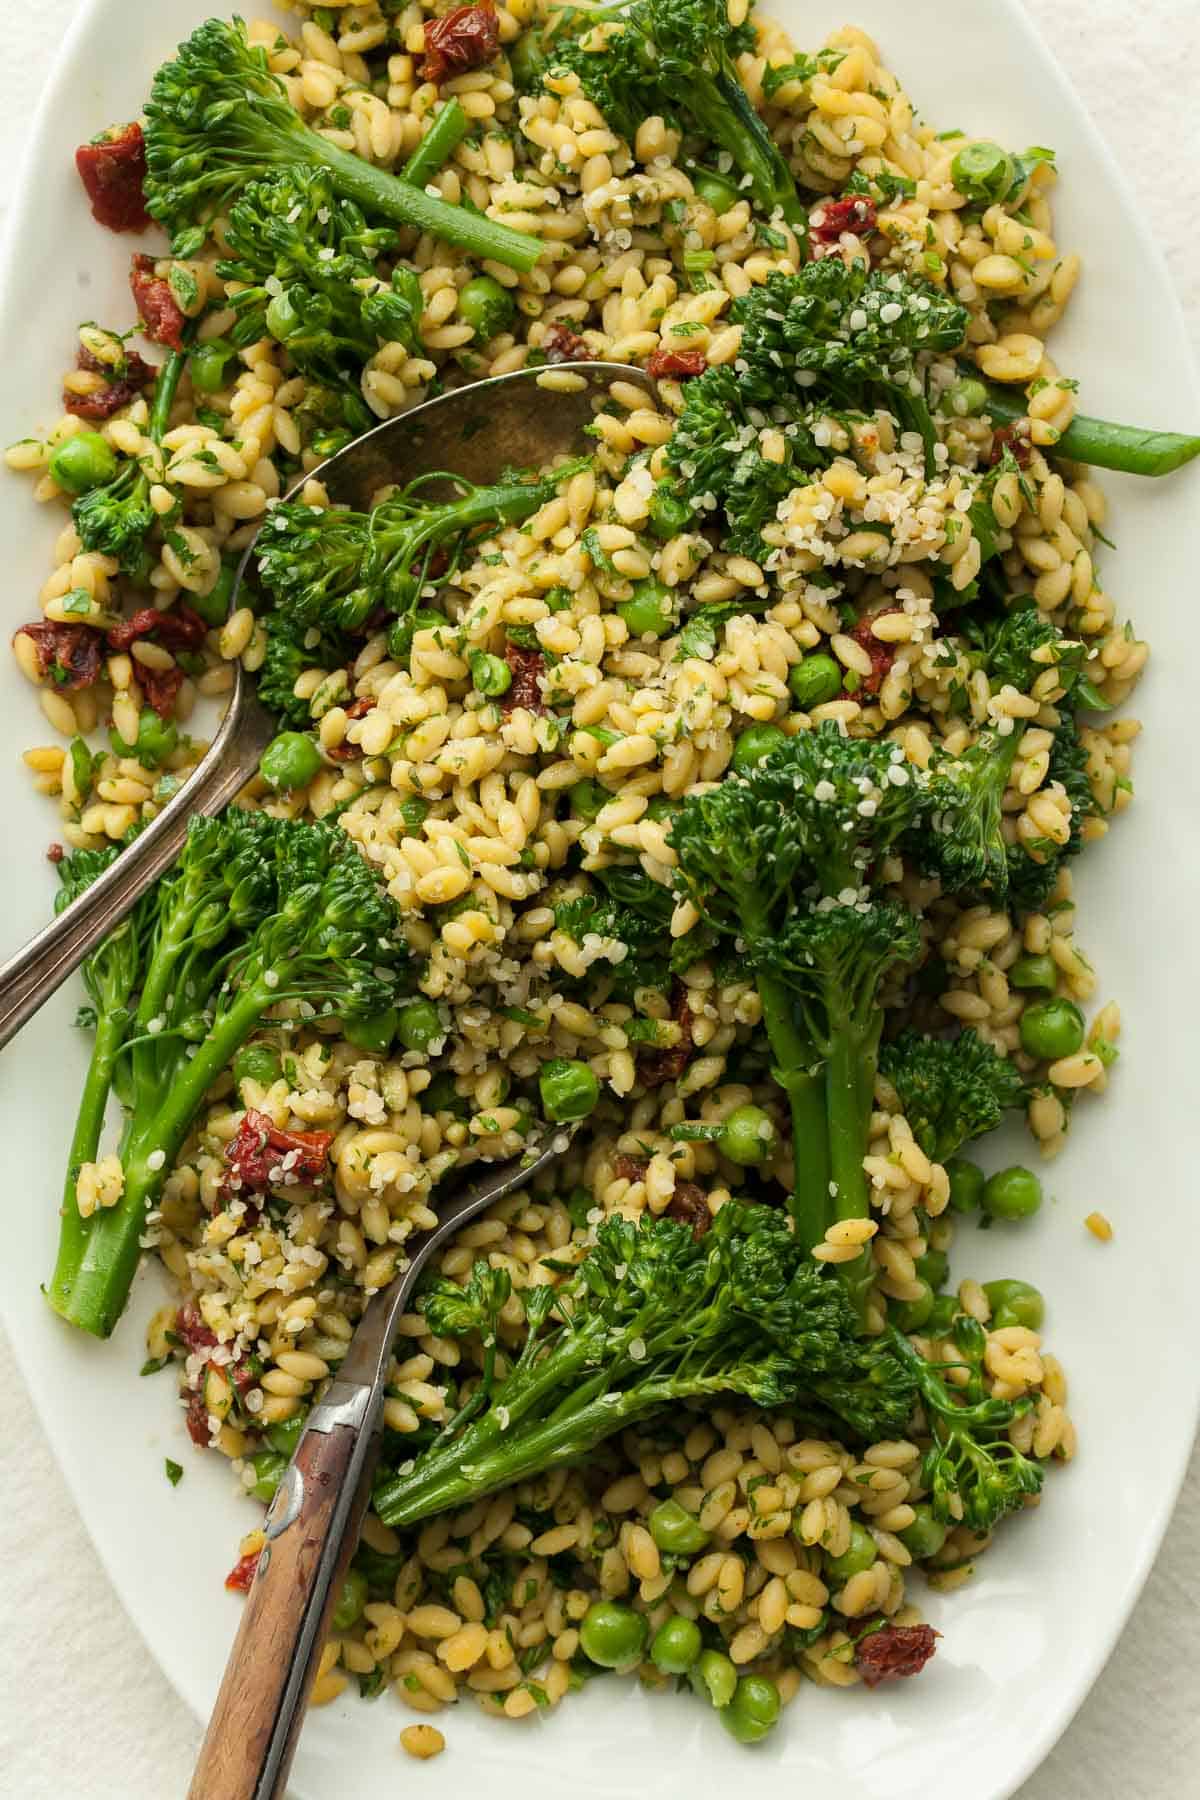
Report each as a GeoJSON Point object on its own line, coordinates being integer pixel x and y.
{"type": "Point", "coordinates": [475, 431]}
{"type": "Point", "coordinates": [312, 1528]}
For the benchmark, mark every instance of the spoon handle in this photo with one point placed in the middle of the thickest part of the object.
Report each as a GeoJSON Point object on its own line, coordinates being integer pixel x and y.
{"type": "Point", "coordinates": [30, 977]}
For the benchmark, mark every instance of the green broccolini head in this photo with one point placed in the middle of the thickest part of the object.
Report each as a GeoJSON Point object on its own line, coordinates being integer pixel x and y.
{"type": "Point", "coordinates": [952, 1090]}
{"type": "Point", "coordinates": [1018, 646]}
{"type": "Point", "coordinates": [112, 971]}
{"type": "Point", "coordinates": [217, 119]}
{"type": "Point", "coordinates": [289, 653]}
{"type": "Point", "coordinates": [835, 955]}
{"type": "Point", "coordinates": [1031, 880]}
{"type": "Point", "coordinates": [453, 1311]}
{"type": "Point", "coordinates": [962, 838]}
{"type": "Point", "coordinates": [115, 520]}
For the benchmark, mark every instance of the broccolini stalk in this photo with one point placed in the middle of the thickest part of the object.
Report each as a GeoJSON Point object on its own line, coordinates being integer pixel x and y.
{"type": "Point", "coordinates": [110, 976]}
{"type": "Point", "coordinates": [1130, 449]}
{"type": "Point", "coordinates": [316, 928]}
{"type": "Point", "coordinates": [650, 1317]}
{"type": "Point", "coordinates": [974, 1475]}
{"type": "Point", "coordinates": [117, 518]}
{"type": "Point", "coordinates": [218, 119]}
{"type": "Point", "coordinates": [332, 568]}
{"type": "Point", "coordinates": [675, 58]}
{"type": "Point", "coordinates": [450, 126]}
{"type": "Point", "coordinates": [783, 860]}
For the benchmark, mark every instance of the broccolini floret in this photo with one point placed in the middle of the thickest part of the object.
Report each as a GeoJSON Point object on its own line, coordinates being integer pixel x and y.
{"type": "Point", "coordinates": [952, 1090]}
{"type": "Point", "coordinates": [962, 841]}
{"type": "Point", "coordinates": [651, 1317]}
{"type": "Point", "coordinates": [116, 519]}
{"type": "Point", "coordinates": [257, 911]}
{"type": "Point", "coordinates": [217, 120]}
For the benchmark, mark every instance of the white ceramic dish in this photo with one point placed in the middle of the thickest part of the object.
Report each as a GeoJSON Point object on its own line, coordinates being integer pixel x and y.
{"type": "Point", "coordinates": [1023, 1642]}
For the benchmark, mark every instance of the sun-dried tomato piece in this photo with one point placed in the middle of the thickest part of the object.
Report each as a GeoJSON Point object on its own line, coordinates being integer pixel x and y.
{"type": "Point", "coordinates": [69, 654]}
{"type": "Point", "coordinates": [630, 1168]}
{"type": "Point", "coordinates": [344, 752]}
{"type": "Point", "coordinates": [465, 38]}
{"type": "Point", "coordinates": [158, 309]}
{"type": "Point", "coordinates": [1015, 437]}
{"type": "Point", "coordinates": [161, 688]}
{"type": "Point", "coordinates": [263, 1156]}
{"type": "Point", "coordinates": [895, 1652]}
{"type": "Point", "coordinates": [829, 223]}
{"type": "Point", "coordinates": [659, 1066]}
{"type": "Point", "coordinates": [196, 1417]}
{"type": "Point", "coordinates": [676, 365]}
{"type": "Point", "coordinates": [178, 627]}
{"type": "Point", "coordinates": [882, 655]}
{"type": "Point", "coordinates": [191, 1330]}
{"type": "Point", "coordinates": [561, 344]}
{"type": "Point", "coordinates": [122, 385]}
{"type": "Point", "coordinates": [242, 1573]}
{"type": "Point", "coordinates": [113, 170]}
{"type": "Point", "coordinates": [526, 666]}
{"type": "Point", "coordinates": [689, 1206]}
{"type": "Point", "coordinates": [55, 853]}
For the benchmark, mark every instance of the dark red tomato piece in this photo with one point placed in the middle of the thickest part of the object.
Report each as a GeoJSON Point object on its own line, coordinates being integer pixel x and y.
{"type": "Point", "coordinates": [561, 344]}
{"type": "Point", "coordinates": [113, 170]}
{"type": "Point", "coordinates": [261, 1155]}
{"type": "Point", "coordinates": [121, 385]}
{"type": "Point", "coordinates": [688, 1205]}
{"type": "Point", "coordinates": [526, 666]}
{"type": "Point", "coordinates": [343, 752]}
{"type": "Point", "coordinates": [69, 654]}
{"type": "Point", "coordinates": [1015, 437]}
{"type": "Point", "coordinates": [161, 688]}
{"type": "Point", "coordinates": [630, 1168]}
{"type": "Point", "coordinates": [829, 222]}
{"type": "Point", "coordinates": [895, 1653]}
{"type": "Point", "coordinates": [242, 1573]}
{"type": "Point", "coordinates": [465, 38]}
{"type": "Point", "coordinates": [676, 365]}
{"type": "Point", "coordinates": [178, 628]}
{"type": "Point", "coordinates": [55, 853]}
{"type": "Point", "coordinates": [197, 1416]}
{"type": "Point", "coordinates": [660, 1066]}
{"type": "Point", "coordinates": [191, 1330]}
{"type": "Point", "coordinates": [882, 655]}
{"type": "Point", "coordinates": [157, 306]}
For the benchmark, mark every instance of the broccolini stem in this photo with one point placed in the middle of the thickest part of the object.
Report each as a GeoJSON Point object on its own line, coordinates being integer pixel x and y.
{"type": "Point", "coordinates": [103, 1275]}
{"type": "Point", "coordinates": [793, 1060]}
{"type": "Point", "coordinates": [111, 1028]}
{"type": "Point", "coordinates": [1103, 444]}
{"type": "Point", "coordinates": [849, 1089]}
{"type": "Point", "coordinates": [165, 388]}
{"type": "Point", "coordinates": [438, 145]}
{"type": "Point", "coordinates": [386, 195]}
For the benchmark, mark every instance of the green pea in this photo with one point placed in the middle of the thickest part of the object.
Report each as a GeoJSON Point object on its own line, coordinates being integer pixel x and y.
{"type": "Point", "coordinates": [815, 679]}
{"type": "Point", "coordinates": [257, 1062]}
{"type": "Point", "coordinates": [612, 1635]}
{"type": "Point", "coordinates": [1015, 1303]}
{"type": "Point", "coordinates": [588, 798]}
{"type": "Point", "coordinates": [419, 1025]}
{"type": "Point", "coordinates": [1052, 1028]}
{"type": "Point", "coordinates": [268, 1466]}
{"type": "Point", "coordinates": [942, 1315]}
{"type": "Point", "coordinates": [859, 1554]}
{"type": "Point", "coordinates": [206, 365]}
{"type": "Point", "coordinates": [374, 1032]}
{"type": "Point", "coordinates": [934, 1267]}
{"type": "Point", "coordinates": [156, 739]}
{"type": "Point", "coordinates": [715, 190]}
{"type": "Point", "coordinates": [967, 398]}
{"type": "Point", "coordinates": [983, 172]}
{"type": "Point", "coordinates": [926, 1535]}
{"type": "Point", "coordinates": [753, 1711]}
{"type": "Point", "coordinates": [486, 307]}
{"type": "Point", "coordinates": [676, 1530]}
{"type": "Point", "coordinates": [649, 611]}
{"type": "Point", "coordinates": [754, 745]}
{"type": "Point", "coordinates": [213, 607]}
{"type": "Point", "coordinates": [290, 761]}
{"type": "Point", "coordinates": [282, 318]}
{"type": "Point", "coordinates": [285, 1435]}
{"type": "Point", "coordinates": [911, 1315]}
{"type": "Point", "coordinates": [966, 1184]}
{"type": "Point", "coordinates": [351, 1600]}
{"type": "Point", "coordinates": [442, 1095]}
{"type": "Point", "coordinates": [669, 514]}
{"type": "Point", "coordinates": [676, 1645]}
{"type": "Point", "coordinates": [84, 462]}
{"type": "Point", "coordinates": [748, 1137]}
{"type": "Point", "coordinates": [569, 1090]}
{"type": "Point", "coordinates": [713, 1677]}
{"type": "Point", "coordinates": [1014, 1193]}
{"type": "Point", "coordinates": [490, 674]}
{"type": "Point", "coordinates": [1034, 973]}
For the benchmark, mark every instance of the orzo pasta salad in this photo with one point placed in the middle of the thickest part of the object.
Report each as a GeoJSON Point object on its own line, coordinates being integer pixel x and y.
{"type": "Point", "coordinates": [716, 791]}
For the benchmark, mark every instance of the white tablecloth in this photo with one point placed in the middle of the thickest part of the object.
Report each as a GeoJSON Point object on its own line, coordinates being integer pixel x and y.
{"type": "Point", "coordinates": [84, 1713]}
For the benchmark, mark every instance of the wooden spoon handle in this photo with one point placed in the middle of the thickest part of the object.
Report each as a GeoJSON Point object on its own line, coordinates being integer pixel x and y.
{"type": "Point", "coordinates": [312, 1529]}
